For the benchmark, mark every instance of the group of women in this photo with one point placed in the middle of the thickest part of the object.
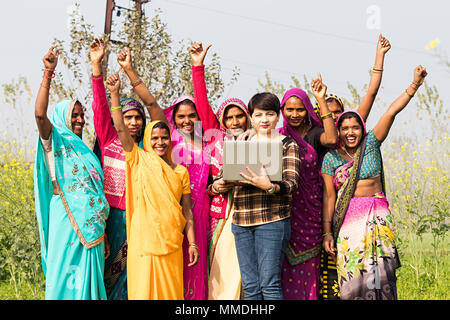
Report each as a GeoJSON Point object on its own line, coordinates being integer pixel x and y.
{"type": "Point", "coordinates": [147, 214]}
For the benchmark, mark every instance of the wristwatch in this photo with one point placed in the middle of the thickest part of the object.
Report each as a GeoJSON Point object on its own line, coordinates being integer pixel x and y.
{"type": "Point", "coordinates": [271, 190]}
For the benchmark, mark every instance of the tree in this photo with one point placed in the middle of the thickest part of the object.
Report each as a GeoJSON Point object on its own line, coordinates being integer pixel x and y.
{"type": "Point", "coordinates": [165, 67]}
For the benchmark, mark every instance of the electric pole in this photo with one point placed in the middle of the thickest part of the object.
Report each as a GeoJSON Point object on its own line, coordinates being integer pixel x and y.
{"type": "Point", "coordinates": [110, 7]}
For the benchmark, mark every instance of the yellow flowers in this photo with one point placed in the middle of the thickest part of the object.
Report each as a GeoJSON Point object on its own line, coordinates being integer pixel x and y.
{"type": "Point", "coordinates": [416, 178]}
{"type": "Point", "coordinates": [432, 44]}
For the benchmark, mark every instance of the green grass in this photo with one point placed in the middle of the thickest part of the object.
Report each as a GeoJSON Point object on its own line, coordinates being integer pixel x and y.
{"type": "Point", "coordinates": [419, 278]}
{"type": "Point", "coordinates": [422, 276]}
{"type": "Point", "coordinates": [8, 292]}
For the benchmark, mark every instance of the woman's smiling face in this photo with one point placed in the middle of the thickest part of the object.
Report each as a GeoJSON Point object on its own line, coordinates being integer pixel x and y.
{"type": "Point", "coordinates": [294, 111]}
{"type": "Point", "coordinates": [185, 117]}
{"type": "Point", "coordinates": [351, 132]}
{"type": "Point", "coordinates": [160, 141]}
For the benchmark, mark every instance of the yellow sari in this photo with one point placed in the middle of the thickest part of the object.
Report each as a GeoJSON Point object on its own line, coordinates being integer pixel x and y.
{"type": "Point", "coordinates": [155, 224]}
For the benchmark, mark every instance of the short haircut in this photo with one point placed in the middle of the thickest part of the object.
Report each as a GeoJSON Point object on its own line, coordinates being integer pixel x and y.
{"type": "Point", "coordinates": [264, 101]}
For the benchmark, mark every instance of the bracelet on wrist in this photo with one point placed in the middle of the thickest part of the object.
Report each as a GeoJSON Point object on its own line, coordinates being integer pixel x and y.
{"type": "Point", "coordinates": [325, 115]}
{"type": "Point", "coordinates": [49, 73]}
{"type": "Point", "coordinates": [212, 191]}
{"type": "Point", "coordinates": [327, 234]}
{"type": "Point", "coordinates": [377, 70]}
{"type": "Point", "coordinates": [409, 95]}
{"type": "Point", "coordinates": [116, 108]}
{"type": "Point", "coordinates": [135, 84]}
{"type": "Point", "coordinates": [272, 189]}
{"type": "Point", "coordinates": [414, 86]}
{"type": "Point", "coordinates": [192, 244]}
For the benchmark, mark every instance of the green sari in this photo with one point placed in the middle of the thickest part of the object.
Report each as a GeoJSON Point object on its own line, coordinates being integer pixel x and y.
{"type": "Point", "coordinates": [71, 223]}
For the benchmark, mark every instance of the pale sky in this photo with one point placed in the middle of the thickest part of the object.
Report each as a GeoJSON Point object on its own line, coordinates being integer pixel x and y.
{"type": "Point", "coordinates": [335, 38]}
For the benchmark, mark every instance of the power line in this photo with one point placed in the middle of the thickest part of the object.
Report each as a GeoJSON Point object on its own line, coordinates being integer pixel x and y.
{"type": "Point", "coordinates": [326, 34]}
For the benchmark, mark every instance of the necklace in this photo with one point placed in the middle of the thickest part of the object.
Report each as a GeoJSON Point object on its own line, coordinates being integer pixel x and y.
{"type": "Point", "coordinates": [345, 149]}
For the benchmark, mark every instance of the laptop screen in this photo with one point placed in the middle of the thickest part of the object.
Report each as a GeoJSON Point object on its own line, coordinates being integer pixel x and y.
{"type": "Point", "coordinates": [237, 155]}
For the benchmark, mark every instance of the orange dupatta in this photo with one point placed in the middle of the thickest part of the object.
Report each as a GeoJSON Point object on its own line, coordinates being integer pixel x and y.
{"type": "Point", "coordinates": [153, 193]}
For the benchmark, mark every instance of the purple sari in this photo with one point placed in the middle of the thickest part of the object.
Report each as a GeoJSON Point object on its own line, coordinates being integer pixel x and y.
{"type": "Point", "coordinates": [300, 272]}
{"type": "Point", "coordinates": [196, 160]}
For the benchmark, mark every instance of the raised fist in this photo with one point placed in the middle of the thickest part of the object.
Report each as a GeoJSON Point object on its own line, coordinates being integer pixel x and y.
{"type": "Point", "coordinates": [419, 75]}
{"type": "Point", "coordinates": [97, 50]}
{"type": "Point", "coordinates": [198, 53]}
{"type": "Point", "coordinates": [51, 58]}
{"type": "Point", "coordinates": [124, 59]}
{"type": "Point", "coordinates": [113, 83]}
{"type": "Point", "coordinates": [383, 45]}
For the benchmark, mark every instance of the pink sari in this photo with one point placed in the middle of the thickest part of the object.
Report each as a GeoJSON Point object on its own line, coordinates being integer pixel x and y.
{"type": "Point", "coordinates": [197, 162]}
{"type": "Point", "coordinates": [362, 227]}
{"type": "Point", "coordinates": [366, 254]}
{"type": "Point", "coordinates": [301, 267]}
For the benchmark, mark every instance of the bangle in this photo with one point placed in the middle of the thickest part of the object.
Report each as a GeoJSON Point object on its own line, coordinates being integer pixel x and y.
{"type": "Point", "coordinates": [51, 76]}
{"type": "Point", "coordinates": [377, 70]}
{"type": "Point", "coordinates": [135, 84]}
{"type": "Point", "coordinates": [327, 234]}
{"type": "Point", "coordinates": [414, 85]}
{"type": "Point", "coordinates": [272, 189]}
{"type": "Point", "coordinates": [406, 91]}
{"type": "Point", "coordinates": [212, 191]}
{"type": "Point", "coordinates": [116, 108]}
{"type": "Point", "coordinates": [326, 115]}
{"type": "Point", "coordinates": [193, 245]}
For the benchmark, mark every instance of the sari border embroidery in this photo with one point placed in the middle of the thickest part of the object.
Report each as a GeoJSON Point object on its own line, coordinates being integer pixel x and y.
{"type": "Point", "coordinates": [75, 226]}
{"type": "Point", "coordinates": [302, 256]}
{"type": "Point", "coordinates": [348, 191]}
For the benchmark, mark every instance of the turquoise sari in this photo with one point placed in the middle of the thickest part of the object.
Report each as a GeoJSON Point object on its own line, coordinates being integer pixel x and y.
{"type": "Point", "coordinates": [72, 223]}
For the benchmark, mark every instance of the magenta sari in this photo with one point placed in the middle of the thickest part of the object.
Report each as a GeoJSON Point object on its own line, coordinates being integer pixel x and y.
{"type": "Point", "coordinates": [196, 160]}
{"type": "Point", "coordinates": [300, 272]}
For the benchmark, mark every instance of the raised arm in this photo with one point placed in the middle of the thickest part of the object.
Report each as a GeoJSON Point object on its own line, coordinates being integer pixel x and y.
{"type": "Point", "coordinates": [113, 84]}
{"type": "Point", "coordinates": [41, 105]}
{"type": "Point", "coordinates": [329, 200]}
{"type": "Point", "coordinates": [204, 110]}
{"type": "Point", "coordinates": [329, 137]}
{"type": "Point", "coordinates": [383, 126]}
{"type": "Point", "coordinates": [125, 61]}
{"type": "Point", "coordinates": [189, 228]}
{"type": "Point", "coordinates": [367, 101]}
{"type": "Point", "coordinates": [102, 117]}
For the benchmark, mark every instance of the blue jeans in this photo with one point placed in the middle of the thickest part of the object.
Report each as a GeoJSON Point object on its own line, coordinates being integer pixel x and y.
{"type": "Point", "coordinates": [260, 251]}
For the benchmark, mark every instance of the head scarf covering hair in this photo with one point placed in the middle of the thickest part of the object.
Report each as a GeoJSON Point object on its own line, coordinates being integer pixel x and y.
{"type": "Point", "coordinates": [287, 129]}
{"type": "Point", "coordinates": [169, 111]}
{"type": "Point", "coordinates": [232, 102]}
{"type": "Point", "coordinates": [79, 177]}
{"type": "Point", "coordinates": [198, 164]}
{"type": "Point", "coordinates": [304, 247]}
{"type": "Point", "coordinates": [128, 104]}
{"type": "Point", "coordinates": [357, 115]}
{"type": "Point", "coordinates": [329, 96]}
{"type": "Point", "coordinates": [153, 199]}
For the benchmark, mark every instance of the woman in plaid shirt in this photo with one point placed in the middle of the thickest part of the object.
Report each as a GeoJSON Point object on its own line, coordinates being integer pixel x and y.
{"type": "Point", "coordinates": [261, 221]}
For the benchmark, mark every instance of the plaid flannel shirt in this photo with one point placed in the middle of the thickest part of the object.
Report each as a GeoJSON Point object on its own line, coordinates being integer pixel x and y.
{"type": "Point", "coordinates": [253, 206]}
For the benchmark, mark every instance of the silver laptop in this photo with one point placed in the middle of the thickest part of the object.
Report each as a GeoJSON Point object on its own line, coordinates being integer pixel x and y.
{"type": "Point", "coordinates": [237, 155]}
